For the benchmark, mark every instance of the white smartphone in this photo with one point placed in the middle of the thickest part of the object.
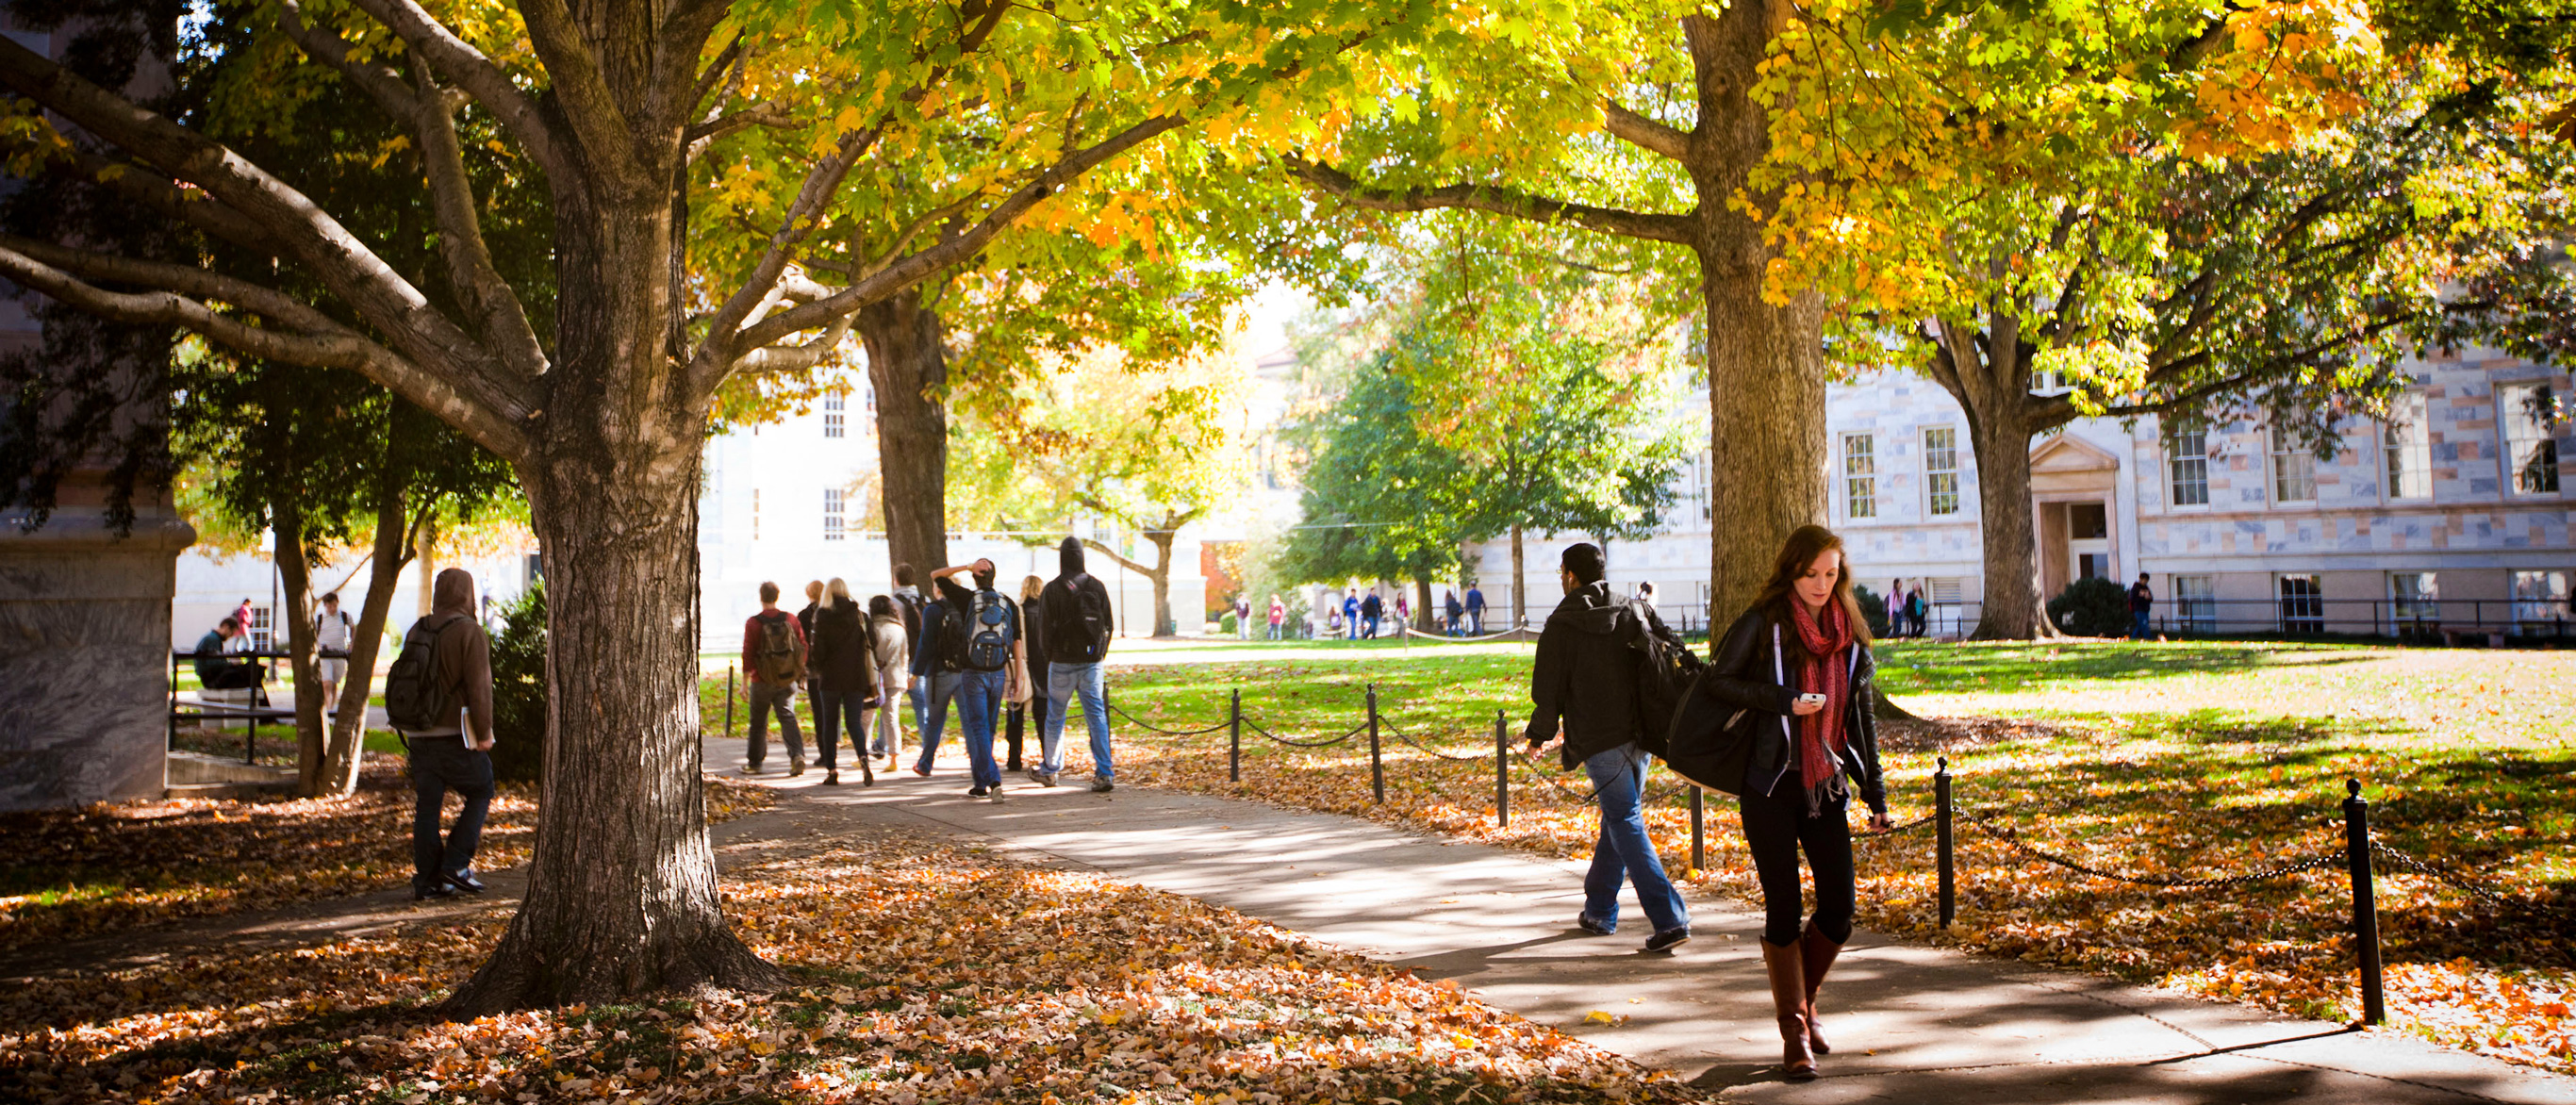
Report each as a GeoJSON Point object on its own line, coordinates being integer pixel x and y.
{"type": "Point", "coordinates": [1812, 698]}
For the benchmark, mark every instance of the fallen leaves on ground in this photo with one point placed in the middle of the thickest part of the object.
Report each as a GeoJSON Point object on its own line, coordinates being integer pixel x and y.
{"type": "Point", "coordinates": [923, 972]}
{"type": "Point", "coordinates": [115, 867]}
{"type": "Point", "coordinates": [2241, 769]}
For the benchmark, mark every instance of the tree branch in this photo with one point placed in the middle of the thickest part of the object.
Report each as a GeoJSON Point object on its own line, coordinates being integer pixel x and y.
{"type": "Point", "coordinates": [149, 187]}
{"type": "Point", "coordinates": [1651, 135]}
{"type": "Point", "coordinates": [726, 341]}
{"type": "Point", "coordinates": [791, 358]}
{"type": "Point", "coordinates": [602, 130]}
{"type": "Point", "coordinates": [1117, 558]}
{"type": "Point", "coordinates": [1500, 201]}
{"type": "Point", "coordinates": [311, 338]}
{"type": "Point", "coordinates": [479, 76]}
{"type": "Point", "coordinates": [377, 80]}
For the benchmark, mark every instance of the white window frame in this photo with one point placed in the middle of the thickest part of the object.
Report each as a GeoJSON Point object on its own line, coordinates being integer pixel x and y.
{"type": "Point", "coordinates": [2195, 602]}
{"type": "Point", "coordinates": [2541, 437]}
{"type": "Point", "coordinates": [2314, 600]}
{"type": "Point", "coordinates": [2406, 449]}
{"type": "Point", "coordinates": [755, 514]}
{"type": "Point", "coordinates": [834, 422]}
{"type": "Point", "coordinates": [1860, 476]}
{"type": "Point", "coordinates": [2305, 459]}
{"type": "Point", "coordinates": [1935, 476]}
{"type": "Point", "coordinates": [2425, 603]}
{"type": "Point", "coordinates": [2174, 459]}
{"type": "Point", "coordinates": [835, 521]}
{"type": "Point", "coordinates": [2545, 606]}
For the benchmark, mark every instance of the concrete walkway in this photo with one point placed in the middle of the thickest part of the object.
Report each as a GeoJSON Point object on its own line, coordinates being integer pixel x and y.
{"type": "Point", "coordinates": [1912, 1023]}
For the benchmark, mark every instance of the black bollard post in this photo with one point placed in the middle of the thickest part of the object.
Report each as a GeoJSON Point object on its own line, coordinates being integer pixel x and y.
{"type": "Point", "coordinates": [1377, 767]}
{"type": "Point", "coordinates": [1502, 774]}
{"type": "Point", "coordinates": [1699, 846]}
{"type": "Point", "coordinates": [1234, 739]}
{"type": "Point", "coordinates": [1949, 877]}
{"type": "Point", "coordinates": [2365, 902]}
{"type": "Point", "coordinates": [728, 702]}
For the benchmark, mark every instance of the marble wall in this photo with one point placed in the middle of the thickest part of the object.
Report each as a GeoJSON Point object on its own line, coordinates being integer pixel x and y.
{"type": "Point", "coordinates": [84, 659]}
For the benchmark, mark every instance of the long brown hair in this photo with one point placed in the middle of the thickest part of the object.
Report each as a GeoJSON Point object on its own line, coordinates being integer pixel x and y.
{"type": "Point", "coordinates": [1804, 545]}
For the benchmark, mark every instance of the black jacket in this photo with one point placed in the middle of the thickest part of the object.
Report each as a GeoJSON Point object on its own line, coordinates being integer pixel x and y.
{"type": "Point", "coordinates": [1586, 675]}
{"type": "Point", "coordinates": [842, 659]}
{"type": "Point", "coordinates": [1742, 674]}
{"type": "Point", "coordinates": [1033, 635]}
{"type": "Point", "coordinates": [1062, 597]}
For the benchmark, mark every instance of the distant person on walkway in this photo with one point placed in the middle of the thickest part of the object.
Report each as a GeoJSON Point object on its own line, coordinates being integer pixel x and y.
{"type": "Point", "coordinates": [1584, 687]}
{"type": "Point", "coordinates": [1278, 616]}
{"type": "Point", "coordinates": [1899, 615]}
{"type": "Point", "coordinates": [2142, 604]}
{"type": "Point", "coordinates": [1332, 621]}
{"type": "Point", "coordinates": [773, 652]}
{"type": "Point", "coordinates": [1371, 609]}
{"type": "Point", "coordinates": [1403, 614]}
{"type": "Point", "coordinates": [1243, 617]}
{"type": "Point", "coordinates": [813, 606]}
{"type": "Point", "coordinates": [1033, 698]}
{"type": "Point", "coordinates": [1475, 610]}
{"type": "Point", "coordinates": [894, 674]}
{"type": "Point", "coordinates": [331, 633]}
{"type": "Point", "coordinates": [1801, 655]}
{"type": "Point", "coordinates": [1078, 629]}
{"type": "Point", "coordinates": [242, 617]}
{"type": "Point", "coordinates": [454, 751]}
{"type": "Point", "coordinates": [1451, 609]}
{"type": "Point", "coordinates": [978, 637]}
{"type": "Point", "coordinates": [1917, 611]}
{"type": "Point", "coordinates": [214, 672]}
{"type": "Point", "coordinates": [1351, 612]}
{"type": "Point", "coordinates": [843, 677]}
{"type": "Point", "coordinates": [908, 598]}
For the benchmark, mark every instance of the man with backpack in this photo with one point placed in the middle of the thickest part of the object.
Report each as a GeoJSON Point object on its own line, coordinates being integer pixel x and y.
{"type": "Point", "coordinates": [438, 698]}
{"type": "Point", "coordinates": [1078, 627]}
{"type": "Point", "coordinates": [773, 651]}
{"type": "Point", "coordinates": [331, 632]}
{"type": "Point", "coordinates": [971, 648]}
{"type": "Point", "coordinates": [1590, 683]}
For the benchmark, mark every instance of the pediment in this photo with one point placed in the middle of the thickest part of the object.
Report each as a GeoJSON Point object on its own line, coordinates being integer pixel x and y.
{"type": "Point", "coordinates": [2065, 453]}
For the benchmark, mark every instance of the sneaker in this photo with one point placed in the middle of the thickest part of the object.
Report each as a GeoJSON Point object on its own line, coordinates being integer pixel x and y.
{"type": "Point", "coordinates": [751, 769]}
{"type": "Point", "coordinates": [796, 766]}
{"type": "Point", "coordinates": [979, 792]}
{"type": "Point", "coordinates": [464, 880]}
{"type": "Point", "coordinates": [1586, 922]}
{"type": "Point", "coordinates": [921, 771]}
{"type": "Point", "coordinates": [1037, 776]}
{"type": "Point", "coordinates": [831, 778]}
{"type": "Point", "coordinates": [432, 893]}
{"type": "Point", "coordinates": [1668, 939]}
{"type": "Point", "coordinates": [1047, 777]}
{"type": "Point", "coordinates": [1101, 786]}
{"type": "Point", "coordinates": [997, 792]}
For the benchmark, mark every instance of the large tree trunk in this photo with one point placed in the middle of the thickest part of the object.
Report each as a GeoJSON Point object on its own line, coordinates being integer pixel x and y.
{"type": "Point", "coordinates": [1422, 615]}
{"type": "Point", "coordinates": [1161, 576]}
{"type": "Point", "coordinates": [424, 550]}
{"type": "Point", "coordinates": [909, 369]}
{"type": "Point", "coordinates": [295, 577]}
{"type": "Point", "coordinates": [346, 752]}
{"type": "Point", "coordinates": [622, 895]}
{"type": "Point", "coordinates": [1766, 365]}
{"type": "Point", "coordinates": [1992, 384]}
{"type": "Point", "coordinates": [1520, 584]}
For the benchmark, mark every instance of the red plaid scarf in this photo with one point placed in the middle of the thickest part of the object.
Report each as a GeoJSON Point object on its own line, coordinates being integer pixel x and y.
{"type": "Point", "coordinates": [1820, 735]}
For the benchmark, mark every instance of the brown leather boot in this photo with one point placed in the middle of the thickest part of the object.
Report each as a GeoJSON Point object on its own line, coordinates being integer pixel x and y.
{"type": "Point", "coordinates": [1816, 958]}
{"type": "Point", "coordinates": [1787, 965]}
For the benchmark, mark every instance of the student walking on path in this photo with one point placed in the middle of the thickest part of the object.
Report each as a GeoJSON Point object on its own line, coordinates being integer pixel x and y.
{"type": "Point", "coordinates": [1078, 628]}
{"type": "Point", "coordinates": [1371, 610]}
{"type": "Point", "coordinates": [1278, 616]}
{"type": "Point", "coordinates": [894, 675]}
{"type": "Point", "coordinates": [978, 639]}
{"type": "Point", "coordinates": [1584, 687]}
{"type": "Point", "coordinates": [1799, 663]}
{"type": "Point", "coordinates": [1033, 699]}
{"type": "Point", "coordinates": [915, 611]}
{"type": "Point", "coordinates": [1475, 610]}
{"type": "Point", "coordinates": [773, 651]}
{"type": "Point", "coordinates": [1451, 607]}
{"type": "Point", "coordinates": [1351, 613]}
{"type": "Point", "coordinates": [439, 699]}
{"type": "Point", "coordinates": [843, 679]}
{"type": "Point", "coordinates": [331, 632]}
{"type": "Point", "coordinates": [2142, 608]}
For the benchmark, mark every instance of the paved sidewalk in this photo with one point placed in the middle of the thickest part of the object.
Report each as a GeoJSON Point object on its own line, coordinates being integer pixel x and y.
{"type": "Point", "coordinates": [1912, 1023]}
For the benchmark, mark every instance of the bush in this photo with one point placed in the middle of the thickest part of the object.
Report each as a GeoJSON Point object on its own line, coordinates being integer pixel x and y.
{"type": "Point", "coordinates": [519, 689]}
{"type": "Point", "coordinates": [1873, 609]}
{"type": "Point", "coordinates": [1226, 625]}
{"type": "Point", "coordinates": [2091, 608]}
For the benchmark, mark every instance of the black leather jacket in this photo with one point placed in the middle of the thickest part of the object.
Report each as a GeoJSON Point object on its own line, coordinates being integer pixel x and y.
{"type": "Point", "coordinates": [1742, 674]}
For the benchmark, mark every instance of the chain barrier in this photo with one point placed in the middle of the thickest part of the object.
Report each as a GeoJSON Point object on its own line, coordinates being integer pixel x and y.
{"type": "Point", "coordinates": [1291, 742]}
{"type": "Point", "coordinates": [1389, 729]}
{"type": "Point", "coordinates": [1151, 727]}
{"type": "Point", "coordinates": [2446, 878]}
{"type": "Point", "coordinates": [1901, 827]}
{"type": "Point", "coordinates": [2011, 838]}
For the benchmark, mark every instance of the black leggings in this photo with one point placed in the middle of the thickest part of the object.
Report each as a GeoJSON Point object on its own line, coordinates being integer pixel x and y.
{"type": "Point", "coordinates": [1775, 828]}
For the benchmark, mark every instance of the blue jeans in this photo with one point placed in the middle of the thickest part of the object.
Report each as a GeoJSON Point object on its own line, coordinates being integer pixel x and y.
{"type": "Point", "coordinates": [916, 690]}
{"type": "Point", "coordinates": [1064, 683]}
{"type": "Point", "coordinates": [439, 765]}
{"type": "Point", "coordinates": [1623, 851]}
{"type": "Point", "coordinates": [934, 714]}
{"type": "Point", "coordinates": [979, 704]}
{"type": "Point", "coordinates": [2138, 626]}
{"type": "Point", "coordinates": [829, 707]}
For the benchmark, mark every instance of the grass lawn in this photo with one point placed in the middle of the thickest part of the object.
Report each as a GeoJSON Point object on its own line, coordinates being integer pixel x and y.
{"type": "Point", "coordinates": [2180, 760]}
{"type": "Point", "coordinates": [1030, 985]}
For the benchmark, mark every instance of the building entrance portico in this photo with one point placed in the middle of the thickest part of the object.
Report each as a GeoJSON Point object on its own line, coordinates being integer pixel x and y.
{"type": "Point", "coordinates": [2074, 492]}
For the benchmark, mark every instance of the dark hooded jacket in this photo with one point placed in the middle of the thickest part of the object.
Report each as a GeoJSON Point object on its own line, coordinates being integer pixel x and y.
{"type": "Point", "coordinates": [464, 652]}
{"type": "Point", "coordinates": [843, 656]}
{"type": "Point", "coordinates": [1586, 677]}
{"type": "Point", "coordinates": [1068, 640]}
{"type": "Point", "coordinates": [1747, 672]}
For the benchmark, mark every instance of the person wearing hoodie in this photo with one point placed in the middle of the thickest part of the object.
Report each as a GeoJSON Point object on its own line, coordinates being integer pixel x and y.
{"type": "Point", "coordinates": [894, 675]}
{"type": "Point", "coordinates": [1078, 627]}
{"type": "Point", "coordinates": [1799, 661]}
{"type": "Point", "coordinates": [1584, 685]}
{"type": "Point", "coordinates": [841, 679]}
{"type": "Point", "coordinates": [454, 756]}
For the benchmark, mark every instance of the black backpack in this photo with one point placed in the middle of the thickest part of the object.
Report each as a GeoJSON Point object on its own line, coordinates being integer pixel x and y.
{"type": "Point", "coordinates": [418, 694]}
{"type": "Point", "coordinates": [977, 636]}
{"type": "Point", "coordinates": [1080, 635]}
{"type": "Point", "coordinates": [1666, 671]}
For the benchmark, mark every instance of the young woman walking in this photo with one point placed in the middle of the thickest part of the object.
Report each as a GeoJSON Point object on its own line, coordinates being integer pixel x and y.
{"type": "Point", "coordinates": [894, 674]}
{"type": "Point", "coordinates": [1032, 710]}
{"type": "Point", "coordinates": [1800, 660]}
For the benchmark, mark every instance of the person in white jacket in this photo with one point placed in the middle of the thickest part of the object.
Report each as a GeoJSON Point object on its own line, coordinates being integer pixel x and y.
{"type": "Point", "coordinates": [894, 674]}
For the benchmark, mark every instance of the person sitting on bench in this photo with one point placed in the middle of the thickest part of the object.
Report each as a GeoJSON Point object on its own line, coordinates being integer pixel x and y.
{"type": "Point", "coordinates": [214, 672]}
